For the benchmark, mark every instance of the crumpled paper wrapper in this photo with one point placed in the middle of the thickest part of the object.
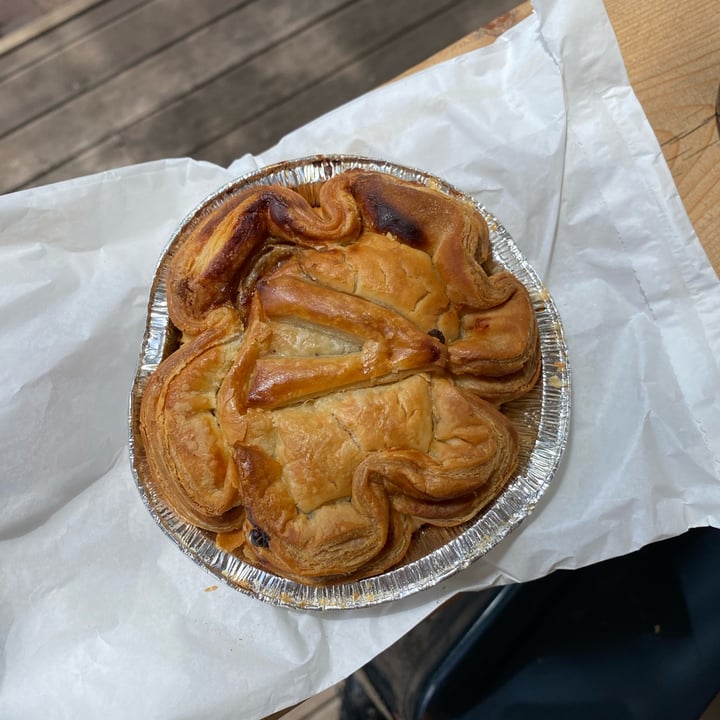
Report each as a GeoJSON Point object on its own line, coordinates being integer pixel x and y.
{"type": "Point", "coordinates": [101, 615]}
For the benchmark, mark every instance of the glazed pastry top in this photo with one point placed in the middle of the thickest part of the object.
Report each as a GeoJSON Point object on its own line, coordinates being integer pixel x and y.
{"type": "Point", "coordinates": [343, 361]}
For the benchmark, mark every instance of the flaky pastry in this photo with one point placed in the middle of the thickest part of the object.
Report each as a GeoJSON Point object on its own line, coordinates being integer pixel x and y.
{"type": "Point", "coordinates": [343, 358]}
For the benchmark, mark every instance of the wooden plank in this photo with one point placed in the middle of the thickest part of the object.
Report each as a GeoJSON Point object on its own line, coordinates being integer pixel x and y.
{"type": "Point", "coordinates": [288, 86]}
{"type": "Point", "coordinates": [386, 61]}
{"type": "Point", "coordinates": [502, 20]}
{"type": "Point", "coordinates": [146, 87]}
{"type": "Point", "coordinates": [101, 55]}
{"type": "Point", "coordinates": [43, 22]}
{"type": "Point", "coordinates": [672, 55]}
{"type": "Point", "coordinates": [254, 88]}
{"type": "Point", "coordinates": [382, 64]}
{"type": "Point", "coordinates": [18, 55]}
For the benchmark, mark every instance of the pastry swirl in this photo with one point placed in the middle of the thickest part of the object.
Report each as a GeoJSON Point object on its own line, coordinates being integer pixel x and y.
{"type": "Point", "coordinates": [338, 384]}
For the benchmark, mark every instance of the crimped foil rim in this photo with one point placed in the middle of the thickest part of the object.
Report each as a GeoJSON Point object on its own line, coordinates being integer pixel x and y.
{"type": "Point", "coordinates": [492, 525]}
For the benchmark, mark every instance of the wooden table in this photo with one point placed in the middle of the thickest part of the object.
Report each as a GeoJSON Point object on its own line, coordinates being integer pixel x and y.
{"type": "Point", "coordinates": [672, 55]}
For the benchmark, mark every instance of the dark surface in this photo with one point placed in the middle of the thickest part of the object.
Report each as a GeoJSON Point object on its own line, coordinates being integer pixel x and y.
{"type": "Point", "coordinates": [631, 638]}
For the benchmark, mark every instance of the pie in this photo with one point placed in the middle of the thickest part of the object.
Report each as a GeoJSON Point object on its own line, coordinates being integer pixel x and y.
{"type": "Point", "coordinates": [343, 359]}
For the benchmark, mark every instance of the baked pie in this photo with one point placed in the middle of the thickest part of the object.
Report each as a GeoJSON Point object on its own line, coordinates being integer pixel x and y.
{"type": "Point", "coordinates": [344, 354]}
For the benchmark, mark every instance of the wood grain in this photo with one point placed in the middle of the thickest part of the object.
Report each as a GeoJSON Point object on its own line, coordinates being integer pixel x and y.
{"type": "Point", "coordinates": [36, 19]}
{"type": "Point", "coordinates": [129, 81]}
{"type": "Point", "coordinates": [482, 37]}
{"type": "Point", "coordinates": [99, 56]}
{"type": "Point", "coordinates": [672, 55]}
{"type": "Point", "coordinates": [148, 86]}
{"type": "Point", "coordinates": [293, 81]}
{"type": "Point", "coordinates": [56, 31]}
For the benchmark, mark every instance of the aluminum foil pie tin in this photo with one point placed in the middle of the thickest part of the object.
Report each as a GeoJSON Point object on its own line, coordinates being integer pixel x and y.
{"type": "Point", "coordinates": [541, 417]}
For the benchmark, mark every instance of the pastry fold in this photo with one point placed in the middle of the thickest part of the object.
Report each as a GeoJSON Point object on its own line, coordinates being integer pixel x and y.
{"type": "Point", "coordinates": [344, 358]}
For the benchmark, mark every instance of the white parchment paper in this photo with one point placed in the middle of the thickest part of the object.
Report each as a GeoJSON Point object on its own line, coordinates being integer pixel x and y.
{"type": "Point", "coordinates": [102, 616]}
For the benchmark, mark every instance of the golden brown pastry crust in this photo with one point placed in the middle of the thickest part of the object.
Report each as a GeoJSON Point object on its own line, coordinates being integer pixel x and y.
{"type": "Point", "coordinates": [344, 354]}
